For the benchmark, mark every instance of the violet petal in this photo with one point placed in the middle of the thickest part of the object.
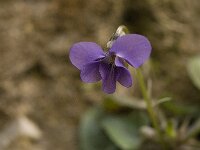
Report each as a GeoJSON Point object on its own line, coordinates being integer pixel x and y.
{"type": "Point", "coordinates": [134, 48]}
{"type": "Point", "coordinates": [108, 74]}
{"type": "Point", "coordinates": [83, 53]}
{"type": "Point", "coordinates": [123, 74]}
{"type": "Point", "coordinates": [90, 72]}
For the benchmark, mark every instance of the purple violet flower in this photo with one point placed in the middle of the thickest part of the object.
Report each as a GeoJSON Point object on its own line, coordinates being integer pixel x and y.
{"type": "Point", "coordinates": [110, 67]}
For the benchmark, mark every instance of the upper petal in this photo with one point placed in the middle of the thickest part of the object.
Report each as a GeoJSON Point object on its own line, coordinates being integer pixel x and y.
{"type": "Point", "coordinates": [108, 75]}
{"type": "Point", "coordinates": [134, 48]}
{"type": "Point", "coordinates": [90, 72]}
{"type": "Point", "coordinates": [83, 53]}
{"type": "Point", "coordinates": [123, 74]}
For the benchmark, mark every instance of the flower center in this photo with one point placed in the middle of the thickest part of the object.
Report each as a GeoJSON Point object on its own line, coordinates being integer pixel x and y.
{"type": "Point", "coordinates": [110, 58]}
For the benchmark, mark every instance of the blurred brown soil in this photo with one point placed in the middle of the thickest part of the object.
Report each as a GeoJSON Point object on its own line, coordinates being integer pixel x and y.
{"type": "Point", "coordinates": [38, 81]}
{"type": "Point", "coordinates": [36, 77]}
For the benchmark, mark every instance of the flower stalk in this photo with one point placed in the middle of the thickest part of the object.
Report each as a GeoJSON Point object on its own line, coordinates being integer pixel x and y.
{"type": "Point", "coordinates": [149, 107]}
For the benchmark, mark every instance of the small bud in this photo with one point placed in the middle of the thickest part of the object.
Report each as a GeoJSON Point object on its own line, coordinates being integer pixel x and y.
{"type": "Point", "coordinates": [121, 30]}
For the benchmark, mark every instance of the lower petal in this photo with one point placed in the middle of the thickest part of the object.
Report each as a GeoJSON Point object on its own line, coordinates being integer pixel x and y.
{"type": "Point", "coordinates": [123, 74]}
{"type": "Point", "coordinates": [124, 77]}
{"type": "Point", "coordinates": [108, 74]}
{"type": "Point", "coordinates": [90, 73]}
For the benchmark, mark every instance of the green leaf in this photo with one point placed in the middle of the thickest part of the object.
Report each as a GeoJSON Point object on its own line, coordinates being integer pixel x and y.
{"type": "Point", "coordinates": [194, 70]}
{"type": "Point", "coordinates": [126, 101]}
{"type": "Point", "coordinates": [124, 130]}
{"type": "Point", "coordinates": [171, 129]}
{"type": "Point", "coordinates": [92, 136]}
{"type": "Point", "coordinates": [178, 109]}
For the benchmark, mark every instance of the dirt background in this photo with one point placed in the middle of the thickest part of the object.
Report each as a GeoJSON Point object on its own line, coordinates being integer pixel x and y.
{"type": "Point", "coordinates": [38, 82]}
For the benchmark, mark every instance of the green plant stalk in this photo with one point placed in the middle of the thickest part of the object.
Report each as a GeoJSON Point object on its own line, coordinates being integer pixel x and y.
{"type": "Point", "coordinates": [149, 107]}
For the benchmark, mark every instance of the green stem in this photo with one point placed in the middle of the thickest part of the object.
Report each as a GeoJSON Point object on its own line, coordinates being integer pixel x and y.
{"type": "Point", "coordinates": [149, 106]}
